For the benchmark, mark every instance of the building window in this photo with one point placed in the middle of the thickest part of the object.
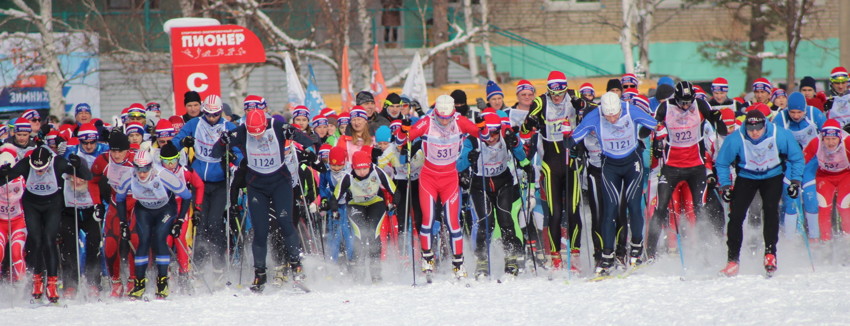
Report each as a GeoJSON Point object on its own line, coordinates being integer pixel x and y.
{"type": "Point", "coordinates": [131, 4]}
{"type": "Point", "coordinates": [573, 5]}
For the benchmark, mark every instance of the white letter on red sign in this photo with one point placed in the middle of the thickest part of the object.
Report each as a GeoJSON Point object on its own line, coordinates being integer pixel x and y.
{"type": "Point", "coordinates": [191, 82]}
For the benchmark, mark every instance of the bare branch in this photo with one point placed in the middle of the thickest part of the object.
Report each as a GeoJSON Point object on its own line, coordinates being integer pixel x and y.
{"type": "Point", "coordinates": [460, 39]}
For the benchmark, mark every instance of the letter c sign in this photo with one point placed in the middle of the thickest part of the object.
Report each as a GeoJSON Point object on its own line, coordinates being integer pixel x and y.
{"type": "Point", "coordinates": [192, 82]}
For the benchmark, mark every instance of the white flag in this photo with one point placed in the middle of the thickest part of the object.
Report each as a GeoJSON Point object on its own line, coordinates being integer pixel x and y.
{"type": "Point", "coordinates": [294, 91]}
{"type": "Point", "coordinates": [415, 87]}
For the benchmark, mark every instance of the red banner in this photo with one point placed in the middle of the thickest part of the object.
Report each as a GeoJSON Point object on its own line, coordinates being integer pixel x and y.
{"type": "Point", "coordinates": [202, 79]}
{"type": "Point", "coordinates": [214, 45]}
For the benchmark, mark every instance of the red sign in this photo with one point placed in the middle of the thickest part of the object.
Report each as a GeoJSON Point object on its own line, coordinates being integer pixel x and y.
{"type": "Point", "coordinates": [214, 45]}
{"type": "Point", "coordinates": [202, 79]}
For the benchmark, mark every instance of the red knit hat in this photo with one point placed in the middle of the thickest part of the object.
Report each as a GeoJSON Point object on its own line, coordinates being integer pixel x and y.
{"type": "Point", "coordinates": [761, 107]}
{"type": "Point", "coordinates": [337, 156]}
{"type": "Point", "coordinates": [361, 160]}
{"type": "Point", "coordinates": [838, 75]}
{"type": "Point", "coordinates": [762, 84]}
{"type": "Point", "coordinates": [524, 85]}
{"type": "Point", "coordinates": [87, 132]}
{"type": "Point", "coordinates": [728, 116]}
{"type": "Point", "coordinates": [557, 81]}
{"type": "Point", "coordinates": [720, 85]}
{"type": "Point", "coordinates": [164, 128]}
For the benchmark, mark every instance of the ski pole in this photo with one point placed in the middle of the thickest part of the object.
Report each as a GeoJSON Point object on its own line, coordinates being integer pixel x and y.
{"type": "Point", "coordinates": [528, 221]}
{"type": "Point", "coordinates": [11, 260]}
{"type": "Point", "coordinates": [76, 227]}
{"type": "Point", "coordinates": [192, 266]}
{"type": "Point", "coordinates": [227, 211]}
{"type": "Point", "coordinates": [681, 250]}
{"type": "Point", "coordinates": [800, 221]}
{"type": "Point", "coordinates": [408, 217]}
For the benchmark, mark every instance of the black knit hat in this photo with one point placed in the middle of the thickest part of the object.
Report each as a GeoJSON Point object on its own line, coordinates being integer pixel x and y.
{"type": "Point", "coordinates": [459, 96]}
{"type": "Point", "coordinates": [364, 97]}
{"type": "Point", "coordinates": [614, 83]}
{"type": "Point", "coordinates": [808, 81]}
{"type": "Point", "coordinates": [191, 96]}
{"type": "Point", "coordinates": [394, 98]}
{"type": "Point", "coordinates": [168, 151]}
{"type": "Point", "coordinates": [118, 141]}
{"type": "Point", "coordinates": [664, 92]}
{"type": "Point", "coordinates": [40, 158]}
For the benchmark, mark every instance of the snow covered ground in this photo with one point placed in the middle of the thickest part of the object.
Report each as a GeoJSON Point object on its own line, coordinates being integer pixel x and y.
{"type": "Point", "coordinates": [652, 296]}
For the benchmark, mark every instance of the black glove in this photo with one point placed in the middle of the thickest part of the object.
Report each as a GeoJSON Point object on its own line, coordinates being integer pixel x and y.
{"type": "Point", "coordinates": [465, 180]}
{"type": "Point", "coordinates": [176, 228]}
{"type": "Point", "coordinates": [324, 205]}
{"type": "Point", "coordinates": [403, 151]}
{"type": "Point", "coordinates": [511, 139]}
{"type": "Point", "coordinates": [726, 193]}
{"type": "Point", "coordinates": [479, 102]}
{"type": "Point", "coordinates": [75, 160]}
{"type": "Point", "coordinates": [658, 148]}
{"type": "Point", "coordinates": [376, 153]}
{"type": "Point", "coordinates": [45, 128]}
{"type": "Point", "coordinates": [473, 157]}
{"type": "Point", "coordinates": [532, 122]}
{"type": "Point", "coordinates": [794, 189]}
{"type": "Point", "coordinates": [197, 215]}
{"type": "Point", "coordinates": [98, 213]}
{"type": "Point", "coordinates": [5, 169]}
{"type": "Point", "coordinates": [847, 127]}
{"type": "Point", "coordinates": [225, 137]}
{"type": "Point", "coordinates": [710, 179]}
{"type": "Point", "coordinates": [405, 125]}
{"type": "Point", "coordinates": [188, 141]}
{"type": "Point", "coordinates": [479, 120]}
{"type": "Point", "coordinates": [235, 210]}
{"type": "Point", "coordinates": [306, 157]}
{"type": "Point", "coordinates": [125, 230]}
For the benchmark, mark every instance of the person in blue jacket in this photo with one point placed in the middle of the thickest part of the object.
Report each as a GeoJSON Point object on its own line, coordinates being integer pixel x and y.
{"type": "Point", "coordinates": [762, 155]}
{"type": "Point", "coordinates": [617, 127]}
{"type": "Point", "coordinates": [804, 122]}
{"type": "Point", "coordinates": [200, 135]}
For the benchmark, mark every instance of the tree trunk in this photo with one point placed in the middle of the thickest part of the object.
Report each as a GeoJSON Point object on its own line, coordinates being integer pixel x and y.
{"type": "Point", "coordinates": [187, 8]}
{"type": "Point", "coordinates": [645, 13]}
{"type": "Point", "coordinates": [366, 48]}
{"type": "Point", "coordinates": [626, 36]}
{"type": "Point", "coordinates": [470, 47]}
{"type": "Point", "coordinates": [441, 34]}
{"type": "Point", "coordinates": [757, 36]}
{"type": "Point", "coordinates": [485, 41]}
{"type": "Point", "coordinates": [795, 12]}
{"type": "Point", "coordinates": [53, 70]}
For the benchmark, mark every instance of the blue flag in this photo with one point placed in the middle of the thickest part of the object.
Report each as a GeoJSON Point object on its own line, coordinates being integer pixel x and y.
{"type": "Point", "coordinates": [313, 100]}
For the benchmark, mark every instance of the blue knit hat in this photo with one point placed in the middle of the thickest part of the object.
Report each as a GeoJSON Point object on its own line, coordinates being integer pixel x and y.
{"type": "Point", "coordinates": [493, 89]}
{"type": "Point", "coordinates": [382, 134]}
{"type": "Point", "coordinates": [665, 80]}
{"type": "Point", "coordinates": [796, 101]}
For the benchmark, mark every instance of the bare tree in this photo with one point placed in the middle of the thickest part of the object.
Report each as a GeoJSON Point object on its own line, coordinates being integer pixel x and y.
{"type": "Point", "coordinates": [485, 40]}
{"type": "Point", "coordinates": [41, 17]}
{"type": "Point", "coordinates": [626, 35]}
{"type": "Point", "coordinates": [461, 38]}
{"type": "Point", "coordinates": [365, 24]}
{"type": "Point", "coordinates": [794, 12]}
{"type": "Point", "coordinates": [441, 34]}
{"type": "Point", "coordinates": [470, 47]}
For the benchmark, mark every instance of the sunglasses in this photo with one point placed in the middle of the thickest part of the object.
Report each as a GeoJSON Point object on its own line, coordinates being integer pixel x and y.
{"type": "Point", "coordinates": [627, 86]}
{"type": "Point", "coordinates": [143, 169]}
{"type": "Point", "coordinates": [35, 120]}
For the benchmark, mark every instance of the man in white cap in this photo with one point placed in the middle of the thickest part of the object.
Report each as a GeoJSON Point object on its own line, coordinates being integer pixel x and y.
{"type": "Point", "coordinates": [616, 126]}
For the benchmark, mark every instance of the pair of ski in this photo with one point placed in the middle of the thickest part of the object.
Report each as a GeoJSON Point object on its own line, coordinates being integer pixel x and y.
{"type": "Point", "coordinates": [429, 279]}
{"type": "Point", "coordinates": [627, 273]}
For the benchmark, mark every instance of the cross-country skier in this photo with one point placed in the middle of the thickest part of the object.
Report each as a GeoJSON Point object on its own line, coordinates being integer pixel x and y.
{"type": "Point", "coordinates": [828, 158]}
{"type": "Point", "coordinates": [761, 153]}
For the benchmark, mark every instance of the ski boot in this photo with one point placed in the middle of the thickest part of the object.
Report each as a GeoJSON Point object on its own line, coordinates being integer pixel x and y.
{"type": "Point", "coordinates": [69, 292]}
{"type": "Point", "coordinates": [138, 288]}
{"type": "Point", "coordinates": [162, 287]}
{"type": "Point", "coordinates": [731, 269]}
{"type": "Point", "coordinates": [52, 291]}
{"type": "Point", "coordinates": [259, 280]}
{"type": "Point", "coordinates": [575, 262]}
{"type": "Point", "coordinates": [458, 270]}
{"type": "Point", "coordinates": [184, 283]}
{"type": "Point", "coordinates": [481, 270]}
{"type": "Point", "coordinates": [770, 264]}
{"type": "Point", "coordinates": [512, 266]}
{"type": "Point", "coordinates": [131, 284]}
{"type": "Point", "coordinates": [557, 262]}
{"type": "Point", "coordinates": [297, 271]}
{"type": "Point", "coordinates": [280, 276]}
{"type": "Point", "coordinates": [117, 288]}
{"type": "Point", "coordinates": [634, 254]}
{"type": "Point", "coordinates": [605, 266]}
{"type": "Point", "coordinates": [427, 263]}
{"type": "Point", "coordinates": [37, 286]}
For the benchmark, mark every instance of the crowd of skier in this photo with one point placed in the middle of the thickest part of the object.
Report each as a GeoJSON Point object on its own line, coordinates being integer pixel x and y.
{"type": "Point", "coordinates": [83, 201]}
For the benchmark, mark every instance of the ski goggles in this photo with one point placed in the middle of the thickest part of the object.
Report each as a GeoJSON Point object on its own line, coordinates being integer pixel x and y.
{"type": "Point", "coordinates": [169, 160]}
{"type": "Point", "coordinates": [840, 79]}
{"type": "Point", "coordinates": [755, 126]}
{"type": "Point", "coordinates": [213, 115]}
{"type": "Point", "coordinates": [144, 169]}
